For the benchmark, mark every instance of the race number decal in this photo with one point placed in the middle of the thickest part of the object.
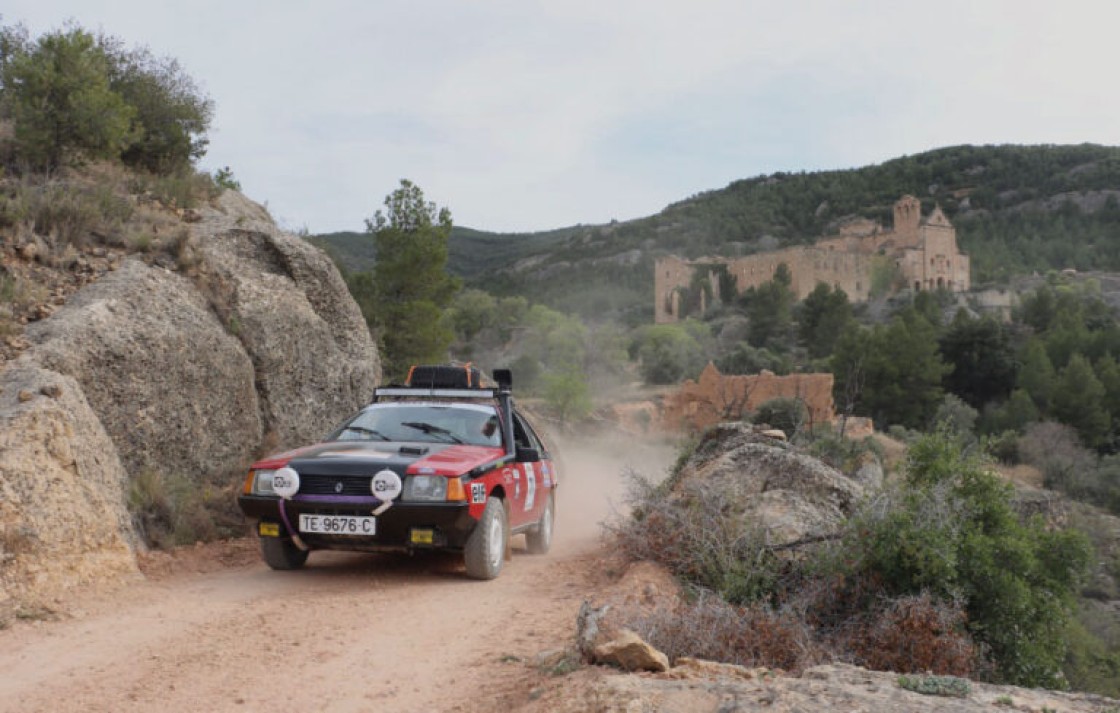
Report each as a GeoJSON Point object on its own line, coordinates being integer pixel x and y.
{"type": "Point", "coordinates": [531, 491]}
{"type": "Point", "coordinates": [478, 493]}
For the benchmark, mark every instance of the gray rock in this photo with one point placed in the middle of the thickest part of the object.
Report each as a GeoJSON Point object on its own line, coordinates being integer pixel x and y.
{"type": "Point", "coordinates": [312, 354]}
{"type": "Point", "coordinates": [170, 385]}
{"type": "Point", "coordinates": [792, 498]}
{"type": "Point", "coordinates": [63, 523]}
{"type": "Point", "coordinates": [248, 336]}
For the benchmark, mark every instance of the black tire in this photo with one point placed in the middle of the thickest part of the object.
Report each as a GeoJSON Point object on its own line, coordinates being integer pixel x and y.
{"type": "Point", "coordinates": [280, 553]}
{"type": "Point", "coordinates": [486, 547]}
{"type": "Point", "coordinates": [539, 539]}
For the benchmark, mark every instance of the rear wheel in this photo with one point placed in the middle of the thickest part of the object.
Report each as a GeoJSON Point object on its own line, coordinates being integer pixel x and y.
{"type": "Point", "coordinates": [486, 547]}
{"type": "Point", "coordinates": [539, 540]}
{"type": "Point", "coordinates": [280, 553]}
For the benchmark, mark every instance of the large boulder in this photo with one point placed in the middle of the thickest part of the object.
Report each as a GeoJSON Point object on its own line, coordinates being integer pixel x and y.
{"type": "Point", "coordinates": [793, 498]}
{"type": "Point", "coordinates": [171, 386]}
{"type": "Point", "coordinates": [62, 518]}
{"type": "Point", "coordinates": [312, 354]}
{"type": "Point", "coordinates": [233, 338]}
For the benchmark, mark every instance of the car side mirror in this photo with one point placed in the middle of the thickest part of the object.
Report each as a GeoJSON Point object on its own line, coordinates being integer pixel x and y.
{"type": "Point", "coordinates": [527, 455]}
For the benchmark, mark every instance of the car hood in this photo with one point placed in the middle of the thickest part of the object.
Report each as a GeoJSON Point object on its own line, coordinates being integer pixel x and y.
{"type": "Point", "coordinates": [367, 457]}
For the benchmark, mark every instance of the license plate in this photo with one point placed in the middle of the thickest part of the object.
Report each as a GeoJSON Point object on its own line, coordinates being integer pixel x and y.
{"type": "Point", "coordinates": [338, 524]}
{"type": "Point", "coordinates": [421, 537]}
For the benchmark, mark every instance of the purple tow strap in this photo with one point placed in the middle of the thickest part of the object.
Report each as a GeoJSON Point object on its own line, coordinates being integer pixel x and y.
{"type": "Point", "coordinates": [291, 530]}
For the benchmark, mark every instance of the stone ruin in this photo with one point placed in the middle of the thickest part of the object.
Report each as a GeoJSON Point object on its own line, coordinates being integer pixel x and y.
{"type": "Point", "coordinates": [715, 398]}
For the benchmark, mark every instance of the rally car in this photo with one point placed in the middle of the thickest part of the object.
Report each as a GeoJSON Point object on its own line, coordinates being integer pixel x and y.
{"type": "Point", "coordinates": [442, 462]}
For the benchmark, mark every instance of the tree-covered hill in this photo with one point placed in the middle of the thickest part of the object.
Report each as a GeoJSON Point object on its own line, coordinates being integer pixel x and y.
{"type": "Point", "coordinates": [1018, 209]}
{"type": "Point", "coordinates": [472, 252]}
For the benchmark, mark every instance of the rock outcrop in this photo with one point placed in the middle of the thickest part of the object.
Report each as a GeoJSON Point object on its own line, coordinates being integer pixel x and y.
{"type": "Point", "coordinates": [246, 339]}
{"type": "Point", "coordinates": [703, 687]}
{"type": "Point", "coordinates": [792, 497]}
{"type": "Point", "coordinates": [62, 517]}
{"type": "Point", "coordinates": [171, 386]}
{"type": "Point", "coordinates": [630, 653]}
{"type": "Point", "coordinates": [309, 345]}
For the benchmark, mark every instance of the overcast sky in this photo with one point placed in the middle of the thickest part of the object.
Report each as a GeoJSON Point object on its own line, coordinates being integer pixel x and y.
{"type": "Point", "coordinates": [525, 115]}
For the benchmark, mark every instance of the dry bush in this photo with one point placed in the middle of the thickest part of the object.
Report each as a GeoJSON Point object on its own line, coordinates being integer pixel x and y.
{"type": "Point", "coordinates": [693, 536]}
{"type": "Point", "coordinates": [185, 189]}
{"type": "Point", "coordinates": [172, 509]}
{"type": "Point", "coordinates": [16, 295]}
{"type": "Point", "coordinates": [181, 246]}
{"type": "Point", "coordinates": [72, 212]}
{"type": "Point", "coordinates": [912, 634]}
{"type": "Point", "coordinates": [712, 629]}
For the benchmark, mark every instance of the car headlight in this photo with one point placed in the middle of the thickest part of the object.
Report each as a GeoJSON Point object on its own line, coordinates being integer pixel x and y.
{"type": "Point", "coordinates": [262, 482]}
{"type": "Point", "coordinates": [425, 488]}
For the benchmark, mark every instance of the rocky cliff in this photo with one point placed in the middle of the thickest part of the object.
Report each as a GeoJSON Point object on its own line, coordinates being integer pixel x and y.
{"type": "Point", "coordinates": [247, 340]}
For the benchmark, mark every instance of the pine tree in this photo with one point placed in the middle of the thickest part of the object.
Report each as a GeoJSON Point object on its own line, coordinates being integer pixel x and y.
{"type": "Point", "coordinates": [1078, 400]}
{"type": "Point", "coordinates": [411, 284]}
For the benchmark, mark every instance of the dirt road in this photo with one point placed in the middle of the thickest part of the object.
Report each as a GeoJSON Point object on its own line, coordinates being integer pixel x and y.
{"type": "Point", "coordinates": [350, 632]}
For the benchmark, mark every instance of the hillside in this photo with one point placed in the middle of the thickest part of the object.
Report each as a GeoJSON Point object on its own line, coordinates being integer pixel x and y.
{"type": "Point", "coordinates": [1017, 209]}
{"type": "Point", "coordinates": [472, 253]}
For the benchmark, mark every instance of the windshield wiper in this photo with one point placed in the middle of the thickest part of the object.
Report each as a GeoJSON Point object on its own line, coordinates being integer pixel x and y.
{"type": "Point", "coordinates": [367, 431]}
{"type": "Point", "coordinates": [433, 429]}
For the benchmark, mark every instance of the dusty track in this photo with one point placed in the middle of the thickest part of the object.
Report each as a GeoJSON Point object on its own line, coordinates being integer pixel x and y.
{"type": "Point", "coordinates": [348, 633]}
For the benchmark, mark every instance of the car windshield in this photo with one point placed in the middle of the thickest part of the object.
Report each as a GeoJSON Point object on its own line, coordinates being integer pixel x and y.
{"type": "Point", "coordinates": [438, 423]}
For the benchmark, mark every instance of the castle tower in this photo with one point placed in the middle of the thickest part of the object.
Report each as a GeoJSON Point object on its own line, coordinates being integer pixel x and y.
{"type": "Point", "coordinates": [907, 216]}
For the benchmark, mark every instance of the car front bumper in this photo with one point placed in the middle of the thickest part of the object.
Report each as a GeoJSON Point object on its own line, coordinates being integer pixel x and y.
{"type": "Point", "coordinates": [404, 526]}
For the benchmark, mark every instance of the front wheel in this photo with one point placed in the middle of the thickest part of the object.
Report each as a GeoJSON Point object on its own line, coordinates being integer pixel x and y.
{"type": "Point", "coordinates": [486, 547]}
{"type": "Point", "coordinates": [281, 553]}
{"type": "Point", "coordinates": [539, 540]}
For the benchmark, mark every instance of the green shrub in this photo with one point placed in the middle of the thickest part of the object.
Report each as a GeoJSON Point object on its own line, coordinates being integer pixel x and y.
{"type": "Point", "coordinates": [74, 96]}
{"type": "Point", "coordinates": [1092, 662]}
{"type": "Point", "coordinates": [567, 395]}
{"type": "Point", "coordinates": [787, 414]}
{"type": "Point", "coordinates": [56, 90]}
{"type": "Point", "coordinates": [951, 530]}
{"type": "Point", "coordinates": [223, 178]}
{"type": "Point", "coordinates": [844, 454]}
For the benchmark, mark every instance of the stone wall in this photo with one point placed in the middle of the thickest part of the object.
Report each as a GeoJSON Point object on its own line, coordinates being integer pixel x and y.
{"type": "Point", "coordinates": [715, 398]}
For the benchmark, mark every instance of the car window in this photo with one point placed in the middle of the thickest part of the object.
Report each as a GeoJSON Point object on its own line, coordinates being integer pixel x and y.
{"type": "Point", "coordinates": [524, 435]}
{"type": "Point", "coordinates": [423, 422]}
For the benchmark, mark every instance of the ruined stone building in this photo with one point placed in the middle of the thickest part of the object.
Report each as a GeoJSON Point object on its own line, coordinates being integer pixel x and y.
{"type": "Point", "coordinates": [922, 251]}
{"type": "Point", "coordinates": [715, 397]}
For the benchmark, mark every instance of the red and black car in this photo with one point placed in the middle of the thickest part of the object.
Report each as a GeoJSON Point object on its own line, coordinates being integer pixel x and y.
{"type": "Point", "coordinates": [442, 462]}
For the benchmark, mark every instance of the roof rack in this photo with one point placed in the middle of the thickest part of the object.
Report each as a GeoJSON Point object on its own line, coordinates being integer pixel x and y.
{"type": "Point", "coordinates": [444, 376]}
{"type": "Point", "coordinates": [421, 392]}
{"type": "Point", "coordinates": [447, 381]}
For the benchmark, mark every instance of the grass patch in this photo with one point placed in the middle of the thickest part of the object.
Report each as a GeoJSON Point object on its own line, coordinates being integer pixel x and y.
{"type": "Point", "coordinates": [16, 295]}
{"type": "Point", "coordinates": [186, 189]}
{"type": "Point", "coordinates": [35, 613]}
{"type": "Point", "coordinates": [560, 663]}
{"type": "Point", "coordinates": [71, 212]}
{"type": "Point", "coordinates": [171, 509]}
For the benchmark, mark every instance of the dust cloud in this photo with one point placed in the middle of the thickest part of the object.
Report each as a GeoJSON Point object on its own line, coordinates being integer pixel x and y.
{"type": "Point", "coordinates": [594, 477]}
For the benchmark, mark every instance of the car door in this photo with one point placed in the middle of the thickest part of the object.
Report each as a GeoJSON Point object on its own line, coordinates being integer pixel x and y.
{"type": "Point", "coordinates": [535, 477]}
